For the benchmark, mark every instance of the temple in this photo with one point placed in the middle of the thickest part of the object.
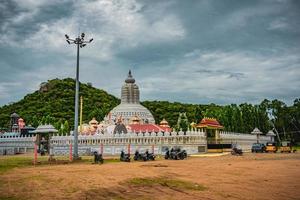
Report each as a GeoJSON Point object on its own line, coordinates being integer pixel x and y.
{"type": "Point", "coordinates": [130, 111]}
{"type": "Point", "coordinates": [129, 127]}
{"type": "Point", "coordinates": [212, 129]}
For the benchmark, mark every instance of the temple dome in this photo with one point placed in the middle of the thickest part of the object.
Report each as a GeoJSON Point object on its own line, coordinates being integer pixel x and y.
{"type": "Point", "coordinates": [128, 111]}
{"type": "Point", "coordinates": [164, 123]}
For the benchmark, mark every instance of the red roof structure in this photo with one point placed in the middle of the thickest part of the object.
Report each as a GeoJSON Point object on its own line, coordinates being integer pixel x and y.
{"type": "Point", "coordinates": [210, 123]}
{"type": "Point", "coordinates": [148, 128]}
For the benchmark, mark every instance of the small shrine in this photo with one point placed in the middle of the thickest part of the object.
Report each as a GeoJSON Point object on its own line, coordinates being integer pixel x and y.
{"type": "Point", "coordinates": [212, 129]}
{"type": "Point", "coordinates": [43, 135]}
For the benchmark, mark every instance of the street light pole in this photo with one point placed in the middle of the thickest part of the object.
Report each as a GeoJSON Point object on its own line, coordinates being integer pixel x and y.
{"type": "Point", "coordinates": [80, 42]}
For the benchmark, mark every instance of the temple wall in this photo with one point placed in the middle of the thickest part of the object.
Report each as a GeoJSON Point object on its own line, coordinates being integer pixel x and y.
{"type": "Point", "coordinates": [14, 145]}
{"type": "Point", "coordinates": [193, 142]}
{"type": "Point", "coordinates": [245, 140]}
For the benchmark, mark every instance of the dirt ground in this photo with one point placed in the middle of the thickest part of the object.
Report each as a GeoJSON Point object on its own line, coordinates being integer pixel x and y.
{"type": "Point", "coordinates": [252, 176]}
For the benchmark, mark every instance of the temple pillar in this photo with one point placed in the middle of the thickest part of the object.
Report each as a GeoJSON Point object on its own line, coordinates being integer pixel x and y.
{"type": "Point", "coordinates": [217, 135]}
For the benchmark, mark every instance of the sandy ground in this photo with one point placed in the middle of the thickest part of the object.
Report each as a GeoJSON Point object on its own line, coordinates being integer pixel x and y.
{"type": "Point", "coordinates": [252, 176]}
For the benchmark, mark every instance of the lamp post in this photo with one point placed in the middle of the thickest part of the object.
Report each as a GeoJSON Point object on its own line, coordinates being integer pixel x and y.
{"type": "Point", "coordinates": [80, 42]}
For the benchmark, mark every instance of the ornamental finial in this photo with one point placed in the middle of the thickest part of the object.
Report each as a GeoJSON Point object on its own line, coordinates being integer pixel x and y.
{"type": "Point", "coordinates": [130, 79]}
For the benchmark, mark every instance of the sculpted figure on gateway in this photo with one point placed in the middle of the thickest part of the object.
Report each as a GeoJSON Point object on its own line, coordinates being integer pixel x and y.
{"type": "Point", "coordinates": [130, 110]}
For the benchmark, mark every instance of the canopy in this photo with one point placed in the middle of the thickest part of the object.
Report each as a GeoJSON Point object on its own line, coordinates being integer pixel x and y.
{"type": "Point", "coordinates": [45, 129]}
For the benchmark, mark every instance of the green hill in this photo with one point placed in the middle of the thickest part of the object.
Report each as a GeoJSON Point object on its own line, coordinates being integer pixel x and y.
{"type": "Point", "coordinates": [54, 103]}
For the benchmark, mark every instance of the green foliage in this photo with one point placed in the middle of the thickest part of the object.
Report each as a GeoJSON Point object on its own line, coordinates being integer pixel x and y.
{"type": "Point", "coordinates": [236, 118]}
{"type": "Point", "coordinates": [66, 127]}
{"type": "Point", "coordinates": [56, 105]}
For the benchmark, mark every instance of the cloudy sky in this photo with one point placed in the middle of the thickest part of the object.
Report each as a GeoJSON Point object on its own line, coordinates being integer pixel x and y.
{"type": "Point", "coordinates": [195, 51]}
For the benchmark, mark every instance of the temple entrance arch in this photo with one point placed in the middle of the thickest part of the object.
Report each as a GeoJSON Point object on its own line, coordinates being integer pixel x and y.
{"type": "Point", "coordinates": [211, 127]}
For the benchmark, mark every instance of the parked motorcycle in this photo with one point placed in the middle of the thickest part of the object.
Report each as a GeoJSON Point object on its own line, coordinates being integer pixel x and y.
{"type": "Point", "coordinates": [143, 156]}
{"type": "Point", "coordinates": [236, 150]}
{"type": "Point", "coordinates": [124, 157]}
{"type": "Point", "coordinates": [98, 158]}
{"type": "Point", "coordinates": [176, 154]}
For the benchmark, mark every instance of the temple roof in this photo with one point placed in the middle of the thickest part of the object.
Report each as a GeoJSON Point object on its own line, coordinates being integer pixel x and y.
{"type": "Point", "coordinates": [148, 128]}
{"type": "Point", "coordinates": [164, 122]}
{"type": "Point", "coordinates": [15, 115]}
{"type": "Point", "coordinates": [256, 131]}
{"type": "Point", "coordinates": [210, 123]}
{"type": "Point", "coordinates": [271, 133]}
{"type": "Point", "coordinates": [45, 129]}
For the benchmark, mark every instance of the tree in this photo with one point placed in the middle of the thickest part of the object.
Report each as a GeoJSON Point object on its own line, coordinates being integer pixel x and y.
{"type": "Point", "coordinates": [182, 122]}
{"type": "Point", "coordinates": [66, 127]}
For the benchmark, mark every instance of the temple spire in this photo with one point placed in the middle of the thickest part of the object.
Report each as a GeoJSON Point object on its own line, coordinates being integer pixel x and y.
{"type": "Point", "coordinates": [130, 79]}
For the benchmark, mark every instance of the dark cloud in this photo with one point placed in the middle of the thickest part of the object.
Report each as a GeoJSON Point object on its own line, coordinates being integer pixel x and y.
{"type": "Point", "coordinates": [191, 51]}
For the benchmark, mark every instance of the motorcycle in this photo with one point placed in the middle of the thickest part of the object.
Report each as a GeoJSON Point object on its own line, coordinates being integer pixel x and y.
{"type": "Point", "coordinates": [150, 156]}
{"type": "Point", "coordinates": [98, 158]}
{"type": "Point", "coordinates": [144, 157]}
{"type": "Point", "coordinates": [182, 155]}
{"type": "Point", "coordinates": [124, 157]}
{"type": "Point", "coordinates": [236, 150]}
{"type": "Point", "coordinates": [176, 154]}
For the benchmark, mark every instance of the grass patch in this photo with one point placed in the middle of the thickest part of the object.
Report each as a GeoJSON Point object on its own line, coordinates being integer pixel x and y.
{"type": "Point", "coordinates": [166, 182]}
{"type": "Point", "coordinates": [296, 147]}
{"type": "Point", "coordinates": [10, 162]}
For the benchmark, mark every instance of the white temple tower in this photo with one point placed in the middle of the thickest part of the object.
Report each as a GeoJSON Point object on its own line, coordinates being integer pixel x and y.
{"type": "Point", "coordinates": [130, 108]}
